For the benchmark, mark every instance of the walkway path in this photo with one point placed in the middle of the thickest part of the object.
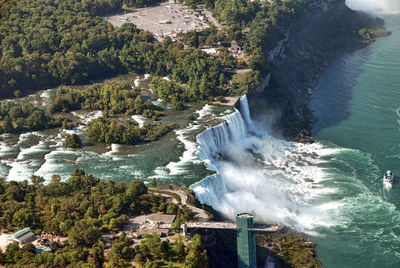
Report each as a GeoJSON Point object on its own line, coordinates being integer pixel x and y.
{"type": "Point", "coordinates": [213, 20]}
{"type": "Point", "coordinates": [233, 226]}
{"type": "Point", "coordinates": [200, 214]}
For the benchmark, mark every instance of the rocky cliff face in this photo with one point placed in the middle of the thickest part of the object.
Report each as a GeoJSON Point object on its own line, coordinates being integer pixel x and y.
{"type": "Point", "coordinates": [326, 29]}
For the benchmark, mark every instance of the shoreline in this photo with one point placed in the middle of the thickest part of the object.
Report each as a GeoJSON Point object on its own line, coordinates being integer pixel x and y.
{"type": "Point", "coordinates": [297, 63]}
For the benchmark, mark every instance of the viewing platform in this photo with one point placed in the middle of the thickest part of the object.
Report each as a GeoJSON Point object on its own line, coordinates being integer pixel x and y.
{"type": "Point", "coordinates": [245, 231]}
{"type": "Point", "coordinates": [232, 226]}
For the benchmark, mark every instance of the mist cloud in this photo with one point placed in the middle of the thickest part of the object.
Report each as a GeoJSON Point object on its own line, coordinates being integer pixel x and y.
{"type": "Point", "coordinates": [377, 6]}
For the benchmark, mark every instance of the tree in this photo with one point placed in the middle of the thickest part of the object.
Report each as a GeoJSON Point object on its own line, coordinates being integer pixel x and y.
{"type": "Point", "coordinates": [179, 249]}
{"type": "Point", "coordinates": [98, 254]}
{"type": "Point", "coordinates": [23, 218]}
{"type": "Point", "coordinates": [197, 255]}
{"type": "Point", "coordinates": [37, 181]}
{"type": "Point", "coordinates": [12, 253]}
{"type": "Point", "coordinates": [15, 112]}
{"type": "Point", "coordinates": [7, 124]}
{"type": "Point", "coordinates": [55, 179]}
{"type": "Point", "coordinates": [121, 247]}
{"type": "Point", "coordinates": [72, 141]}
{"type": "Point", "coordinates": [83, 234]}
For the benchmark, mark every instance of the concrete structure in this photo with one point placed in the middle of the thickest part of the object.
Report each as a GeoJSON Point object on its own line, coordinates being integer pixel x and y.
{"type": "Point", "coordinates": [246, 229]}
{"type": "Point", "coordinates": [23, 236]}
{"type": "Point", "coordinates": [246, 241]}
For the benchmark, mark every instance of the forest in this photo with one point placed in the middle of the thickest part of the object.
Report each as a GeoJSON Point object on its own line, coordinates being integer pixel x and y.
{"type": "Point", "coordinates": [257, 28]}
{"type": "Point", "coordinates": [17, 118]}
{"type": "Point", "coordinates": [84, 208]}
{"type": "Point", "coordinates": [111, 98]}
{"type": "Point", "coordinates": [48, 43]}
{"type": "Point", "coordinates": [111, 131]}
{"type": "Point", "coordinates": [114, 99]}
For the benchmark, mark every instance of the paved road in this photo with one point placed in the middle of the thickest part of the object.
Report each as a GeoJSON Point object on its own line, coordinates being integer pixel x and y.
{"type": "Point", "coordinates": [200, 214]}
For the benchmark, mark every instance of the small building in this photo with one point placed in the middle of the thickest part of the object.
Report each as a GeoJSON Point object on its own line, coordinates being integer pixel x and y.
{"type": "Point", "coordinates": [23, 236]}
{"type": "Point", "coordinates": [235, 49]}
{"type": "Point", "coordinates": [42, 248]}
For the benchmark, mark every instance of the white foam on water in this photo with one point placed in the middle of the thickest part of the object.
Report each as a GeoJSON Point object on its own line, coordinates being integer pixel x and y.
{"type": "Point", "coordinates": [205, 111]}
{"type": "Point", "coordinates": [87, 117]}
{"type": "Point", "coordinates": [46, 96]}
{"type": "Point", "coordinates": [189, 155]}
{"type": "Point", "coordinates": [375, 6]}
{"type": "Point", "coordinates": [115, 148]}
{"type": "Point", "coordinates": [278, 181]}
{"type": "Point", "coordinates": [132, 170]}
{"type": "Point", "coordinates": [20, 171]}
{"type": "Point", "coordinates": [6, 150]}
{"type": "Point", "coordinates": [139, 119]}
{"type": "Point", "coordinates": [27, 161]}
{"type": "Point", "coordinates": [136, 173]}
{"type": "Point", "coordinates": [160, 173]}
{"type": "Point", "coordinates": [55, 162]}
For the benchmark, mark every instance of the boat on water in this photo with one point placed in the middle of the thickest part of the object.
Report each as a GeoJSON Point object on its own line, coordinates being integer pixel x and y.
{"type": "Point", "coordinates": [388, 178]}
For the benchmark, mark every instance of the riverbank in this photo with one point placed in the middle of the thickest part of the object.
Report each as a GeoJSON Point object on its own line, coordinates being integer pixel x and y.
{"type": "Point", "coordinates": [323, 32]}
{"type": "Point", "coordinates": [357, 103]}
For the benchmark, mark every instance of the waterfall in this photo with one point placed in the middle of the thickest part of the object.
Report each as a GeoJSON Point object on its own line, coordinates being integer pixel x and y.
{"type": "Point", "coordinates": [210, 189]}
{"type": "Point", "coordinates": [272, 178]}
{"type": "Point", "coordinates": [213, 139]}
{"type": "Point", "coordinates": [244, 109]}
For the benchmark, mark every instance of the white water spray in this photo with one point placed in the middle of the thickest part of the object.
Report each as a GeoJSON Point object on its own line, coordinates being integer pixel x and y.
{"type": "Point", "coordinates": [375, 6]}
{"type": "Point", "coordinates": [276, 180]}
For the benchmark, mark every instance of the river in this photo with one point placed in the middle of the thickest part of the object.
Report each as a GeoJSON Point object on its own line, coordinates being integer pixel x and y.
{"type": "Point", "coordinates": [358, 103]}
{"type": "Point", "coordinates": [332, 190]}
{"type": "Point", "coordinates": [171, 159]}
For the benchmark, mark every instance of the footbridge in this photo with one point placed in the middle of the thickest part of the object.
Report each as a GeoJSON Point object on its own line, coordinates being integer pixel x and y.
{"type": "Point", "coordinates": [245, 229]}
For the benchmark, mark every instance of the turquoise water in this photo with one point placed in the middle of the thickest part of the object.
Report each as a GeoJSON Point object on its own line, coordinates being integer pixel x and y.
{"type": "Point", "coordinates": [170, 159]}
{"type": "Point", "coordinates": [358, 105]}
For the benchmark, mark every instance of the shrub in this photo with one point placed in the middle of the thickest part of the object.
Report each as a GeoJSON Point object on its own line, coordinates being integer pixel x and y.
{"type": "Point", "coordinates": [72, 141]}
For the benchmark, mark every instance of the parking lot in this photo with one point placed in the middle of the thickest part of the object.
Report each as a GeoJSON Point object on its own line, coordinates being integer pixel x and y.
{"type": "Point", "coordinates": [163, 20]}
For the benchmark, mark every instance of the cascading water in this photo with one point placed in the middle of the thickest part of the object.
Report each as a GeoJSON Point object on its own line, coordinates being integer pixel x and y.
{"type": "Point", "coordinates": [245, 111]}
{"type": "Point", "coordinates": [335, 195]}
{"type": "Point", "coordinates": [272, 178]}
